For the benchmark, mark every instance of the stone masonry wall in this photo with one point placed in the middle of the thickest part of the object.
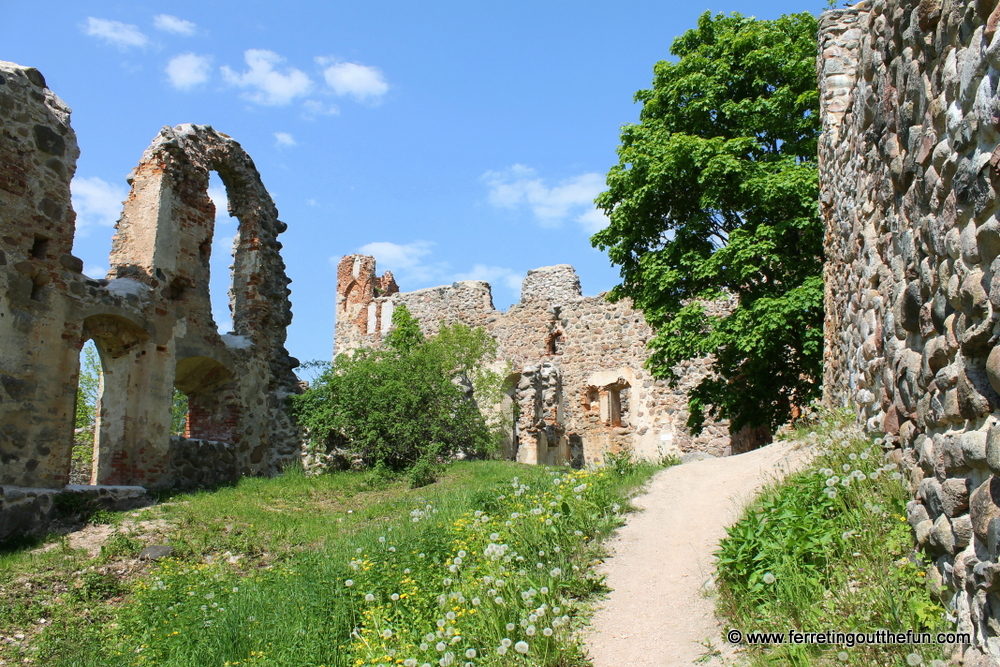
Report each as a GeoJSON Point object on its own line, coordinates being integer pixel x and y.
{"type": "Point", "coordinates": [909, 170]}
{"type": "Point", "coordinates": [151, 318]}
{"type": "Point", "coordinates": [579, 379]}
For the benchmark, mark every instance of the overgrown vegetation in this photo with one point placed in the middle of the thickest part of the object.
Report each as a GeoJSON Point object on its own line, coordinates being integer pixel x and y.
{"type": "Point", "coordinates": [715, 194]}
{"type": "Point", "coordinates": [493, 561]}
{"type": "Point", "coordinates": [829, 548]}
{"type": "Point", "coordinates": [409, 404]}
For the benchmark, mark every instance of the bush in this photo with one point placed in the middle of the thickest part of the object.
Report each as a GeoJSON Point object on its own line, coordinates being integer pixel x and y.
{"type": "Point", "coordinates": [412, 399]}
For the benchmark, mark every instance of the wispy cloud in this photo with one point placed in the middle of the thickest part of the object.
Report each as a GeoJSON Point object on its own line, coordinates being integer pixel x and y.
{"type": "Point", "coordinates": [520, 186]}
{"type": "Point", "coordinates": [495, 276]}
{"type": "Point", "coordinates": [406, 261]}
{"type": "Point", "coordinates": [96, 202]}
{"type": "Point", "coordinates": [284, 139]}
{"type": "Point", "coordinates": [172, 24]}
{"type": "Point", "coordinates": [266, 85]}
{"type": "Point", "coordinates": [413, 267]}
{"type": "Point", "coordinates": [217, 193]}
{"type": "Point", "coordinates": [313, 108]}
{"type": "Point", "coordinates": [188, 70]}
{"type": "Point", "coordinates": [116, 33]}
{"type": "Point", "coordinates": [362, 82]}
{"type": "Point", "coordinates": [95, 271]}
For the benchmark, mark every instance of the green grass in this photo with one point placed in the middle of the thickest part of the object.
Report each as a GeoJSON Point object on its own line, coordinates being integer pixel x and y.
{"type": "Point", "coordinates": [817, 553]}
{"type": "Point", "coordinates": [261, 570]}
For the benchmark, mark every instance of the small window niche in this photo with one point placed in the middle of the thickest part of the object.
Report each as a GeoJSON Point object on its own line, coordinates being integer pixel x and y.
{"type": "Point", "coordinates": [554, 344]}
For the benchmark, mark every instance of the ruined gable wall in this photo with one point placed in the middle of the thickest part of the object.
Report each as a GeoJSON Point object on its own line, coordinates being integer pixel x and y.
{"type": "Point", "coordinates": [588, 342]}
{"type": "Point", "coordinates": [150, 319]}
{"type": "Point", "coordinates": [909, 163]}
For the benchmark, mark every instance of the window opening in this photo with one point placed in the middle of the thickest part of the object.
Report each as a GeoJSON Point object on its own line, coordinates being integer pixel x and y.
{"type": "Point", "coordinates": [220, 254]}
{"type": "Point", "coordinates": [88, 386]}
{"type": "Point", "coordinates": [179, 418]}
{"type": "Point", "coordinates": [555, 343]}
{"type": "Point", "coordinates": [614, 407]}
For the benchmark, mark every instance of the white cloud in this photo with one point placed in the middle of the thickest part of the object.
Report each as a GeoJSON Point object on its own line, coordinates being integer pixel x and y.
{"type": "Point", "coordinates": [282, 139]}
{"type": "Point", "coordinates": [412, 267]}
{"type": "Point", "coordinates": [268, 86]}
{"type": "Point", "coordinates": [313, 108]}
{"type": "Point", "coordinates": [520, 186]}
{"type": "Point", "coordinates": [406, 261]}
{"type": "Point", "coordinates": [96, 272]}
{"type": "Point", "coordinates": [188, 70]}
{"type": "Point", "coordinates": [362, 82]}
{"type": "Point", "coordinates": [495, 276]}
{"type": "Point", "coordinates": [122, 35]}
{"type": "Point", "coordinates": [96, 202]}
{"type": "Point", "coordinates": [593, 220]}
{"type": "Point", "coordinates": [217, 193]}
{"type": "Point", "coordinates": [168, 23]}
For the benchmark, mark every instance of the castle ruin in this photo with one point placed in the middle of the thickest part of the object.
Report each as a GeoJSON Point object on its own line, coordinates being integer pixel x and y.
{"type": "Point", "coordinates": [579, 381]}
{"type": "Point", "coordinates": [150, 319]}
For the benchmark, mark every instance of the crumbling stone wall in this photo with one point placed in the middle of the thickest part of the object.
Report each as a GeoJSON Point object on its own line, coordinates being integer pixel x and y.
{"type": "Point", "coordinates": [909, 168]}
{"type": "Point", "coordinates": [579, 380]}
{"type": "Point", "coordinates": [151, 318]}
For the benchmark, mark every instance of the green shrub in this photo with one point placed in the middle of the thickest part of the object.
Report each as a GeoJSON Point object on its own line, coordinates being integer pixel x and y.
{"type": "Point", "coordinates": [397, 404]}
{"type": "Point", "coordinates": [424, 471]}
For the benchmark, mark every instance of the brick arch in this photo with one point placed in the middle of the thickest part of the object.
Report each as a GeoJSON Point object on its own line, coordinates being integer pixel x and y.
{"type": "Point", "coordinates": [171, 252]}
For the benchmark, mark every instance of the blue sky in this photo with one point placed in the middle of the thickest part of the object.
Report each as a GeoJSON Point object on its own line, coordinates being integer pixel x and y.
{"type": "Point", "coordinates": [452, 140]}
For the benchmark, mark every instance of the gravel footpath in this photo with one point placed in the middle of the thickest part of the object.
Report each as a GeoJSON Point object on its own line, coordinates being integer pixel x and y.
{"type": "Point", "coordinates": [657, 613]}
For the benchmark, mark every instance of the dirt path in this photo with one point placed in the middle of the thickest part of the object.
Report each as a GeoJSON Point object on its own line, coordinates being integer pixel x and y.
{"type": "Point", "coordinates": [657, 614]}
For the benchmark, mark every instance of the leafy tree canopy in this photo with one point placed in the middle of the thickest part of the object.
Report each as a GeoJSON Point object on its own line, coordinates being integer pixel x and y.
{"type": "Point", "coordinates": [413, 400]}
{"type": "Point", "coordinates": [715, 194]}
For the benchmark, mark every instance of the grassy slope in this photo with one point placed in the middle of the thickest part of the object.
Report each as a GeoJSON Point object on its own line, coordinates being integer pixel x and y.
{"type": "Point", "coordinates": [274, 554]}
{"type": "Point", "coordinates": [829, 549]}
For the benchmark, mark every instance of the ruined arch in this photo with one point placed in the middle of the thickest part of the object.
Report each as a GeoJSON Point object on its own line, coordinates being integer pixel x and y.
{"type": "Point", "coordinates": [164, 236]}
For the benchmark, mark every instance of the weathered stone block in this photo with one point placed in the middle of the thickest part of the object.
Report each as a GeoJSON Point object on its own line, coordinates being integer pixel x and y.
{"type": "Point", "coordinates": [954, 496]}
{"type": "Point", "coordinates": [984, 506]}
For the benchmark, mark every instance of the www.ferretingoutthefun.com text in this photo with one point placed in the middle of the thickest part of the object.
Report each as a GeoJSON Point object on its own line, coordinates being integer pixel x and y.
{"type": "Point", "coordinates": [849, 639]}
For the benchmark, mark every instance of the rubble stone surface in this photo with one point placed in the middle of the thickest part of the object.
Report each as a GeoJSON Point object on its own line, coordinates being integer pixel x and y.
{"type": "Point", "coordinates": [909, 171]}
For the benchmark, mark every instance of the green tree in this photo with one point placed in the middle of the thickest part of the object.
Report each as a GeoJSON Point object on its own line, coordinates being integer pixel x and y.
{"type": "Point", "coordinates": [86, 391]}
{"type": "Point", "coordinates": [411, 401]}
{"type": "Point", "coordinates": [178, 412]}
{"type": "Point", "coordinates": [715, 194]}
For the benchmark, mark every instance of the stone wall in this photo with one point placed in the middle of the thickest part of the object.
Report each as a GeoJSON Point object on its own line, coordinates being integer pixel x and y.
{"type": "Point", "coordinates": [579, 377]}
{"type": "Point", "coordinates": [150, 319]}
{"type": "Point", "coordinates": [909, 168]}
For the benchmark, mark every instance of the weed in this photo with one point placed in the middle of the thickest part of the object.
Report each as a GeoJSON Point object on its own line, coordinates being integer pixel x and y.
{"type": "Point", "coordinates": [120, 545]}
{"type": "Point", "coordinates": [93, 585]}
{"type": "Point", "coordinates": [829, 549]}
